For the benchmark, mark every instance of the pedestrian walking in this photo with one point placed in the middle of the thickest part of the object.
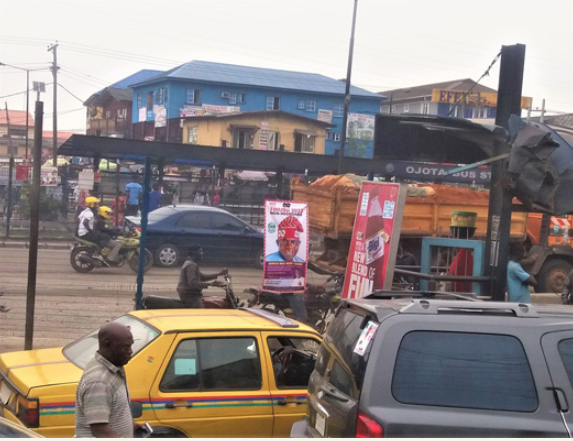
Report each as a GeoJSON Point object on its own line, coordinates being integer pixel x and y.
{"type": "Point", "coordinates": [103, 405]}
{"type": "Point", "coordinates": [134, 190]}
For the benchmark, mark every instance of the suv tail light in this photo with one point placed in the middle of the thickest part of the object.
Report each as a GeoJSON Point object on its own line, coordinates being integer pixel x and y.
{"type": "Point", "coordinates": [28, 411]}
{"type": "Point", "coordinates": [366, 427]}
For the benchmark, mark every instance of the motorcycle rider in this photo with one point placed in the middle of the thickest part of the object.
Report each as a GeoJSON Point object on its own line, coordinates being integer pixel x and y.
{"type": "Point", "coordinates": [192, 281]}
{"type": "Point", "coordinates": [105, 233]}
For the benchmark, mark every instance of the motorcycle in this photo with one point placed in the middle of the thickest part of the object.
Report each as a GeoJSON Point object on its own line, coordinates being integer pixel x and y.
{"type": "Point", "coordinates": [320, 301]}
{"type": "Point", "coordinates": [228, 301]}
{"type": "Point", "coordinates": [83, 261]}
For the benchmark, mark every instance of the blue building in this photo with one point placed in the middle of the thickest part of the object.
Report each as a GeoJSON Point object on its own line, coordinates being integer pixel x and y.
{"type": "Point", "coordinates": [205, 88]}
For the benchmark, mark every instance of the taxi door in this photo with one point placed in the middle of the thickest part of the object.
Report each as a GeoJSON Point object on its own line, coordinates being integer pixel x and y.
{"type": "Point", "coordinates": [292, 361]}
{"type": "Point", "coordinates": [214, 386]}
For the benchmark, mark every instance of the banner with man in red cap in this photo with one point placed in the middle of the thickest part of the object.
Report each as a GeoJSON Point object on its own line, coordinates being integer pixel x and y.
{"type": "Point", "coordinates": [286, 246]}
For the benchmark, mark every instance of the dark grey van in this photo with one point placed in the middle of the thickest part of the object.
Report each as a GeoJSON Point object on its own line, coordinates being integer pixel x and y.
{"type": "Point", "coordinates": [442, 368]}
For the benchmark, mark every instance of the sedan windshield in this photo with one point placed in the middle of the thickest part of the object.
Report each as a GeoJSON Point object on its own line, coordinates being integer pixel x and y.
{"type": "Point", "coordinates": [81, 351]}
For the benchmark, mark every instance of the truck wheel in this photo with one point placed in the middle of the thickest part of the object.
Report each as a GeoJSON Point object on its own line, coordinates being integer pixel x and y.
{"type": "Point", "coordinates": [552, 275]}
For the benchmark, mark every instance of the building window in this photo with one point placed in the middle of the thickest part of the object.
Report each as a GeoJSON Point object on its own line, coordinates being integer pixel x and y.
{"type": "Point", "coordinates": [161, 95]}
{"type": "Point", "coordinates": [192, 135]}
{"type": "Point", "coordinates": [310, 106]}
{"type": "Point", "coordinates": [139, 100]}
{"type": "Point", "coordinates": [332, 136]}
{"type": "Point", "coordinates": [301, 104]}
{"type": "Point", "coordinates": [193, 96]}
{"type": "Point", "coordinates": [149, 100]}
{"type": "Point", "coordinates": [243, 139]}
{"type": "Point", "coordinates": [232, 98]}
{"type": "Point", "coordinates": [273, 143]}
{"type": "Point", "coordinates": [406, 108]}
{"type": "Point", "coordinates": [241, 98]}
{"type": "Point", "coordinates": [108, 114]}
{"type": "Point", "coordinates": [425, 107]}
{"type": "Point", "coordinates": [338, 111]}
{"type": "Point", "coordinates": [273, 103]}
{"type": "Point", "coordinates": [385, 109]}
{"type": "Point", "coordinates": [121, 113]}
{"type": "Point", "coordinates": [304, 143]}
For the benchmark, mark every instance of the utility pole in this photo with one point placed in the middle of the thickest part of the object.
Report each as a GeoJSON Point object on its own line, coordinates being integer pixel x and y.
{"type": "Point", "coordinates": [347, 94]}
{"type": "Point", "coordinates": [54, 49]}
{"type": "Point", "coordinates": [9, 200]}
{"type": "Point", "coordinates": [499, 216]}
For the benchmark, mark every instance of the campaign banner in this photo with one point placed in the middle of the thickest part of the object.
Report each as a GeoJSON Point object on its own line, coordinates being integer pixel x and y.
{"type": "Point", "coordinates": [286, 246]}
{"type": "Point", "coordinates": [375, 238]}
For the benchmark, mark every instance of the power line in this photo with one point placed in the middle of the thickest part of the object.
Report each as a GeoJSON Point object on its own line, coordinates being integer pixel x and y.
{"type": "Point", "coordinates": [486, 73]}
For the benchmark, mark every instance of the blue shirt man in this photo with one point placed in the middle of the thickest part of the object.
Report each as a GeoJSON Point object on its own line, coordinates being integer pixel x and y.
{"type": "Point", "coordinates": [154, 198]}
{"type": "Point", "coordinates": [134, 189]}
{"type": "Point", "coordinates": [517, 278]}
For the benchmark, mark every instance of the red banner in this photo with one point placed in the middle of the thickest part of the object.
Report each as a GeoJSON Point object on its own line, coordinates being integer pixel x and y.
{"type": "Point", "coordinates": [375, 238]}
{"type": "Point", "coordinates": [22, 172]}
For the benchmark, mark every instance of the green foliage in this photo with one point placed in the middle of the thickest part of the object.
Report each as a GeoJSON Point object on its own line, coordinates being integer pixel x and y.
{"type": "Point", "coordinates": [50, 207]}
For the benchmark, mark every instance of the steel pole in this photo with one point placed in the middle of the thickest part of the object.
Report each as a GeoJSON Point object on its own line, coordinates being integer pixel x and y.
{"type": "Point", "coordinates": [347, 93]}
{"type": "Point", "coordinates": [143, 238]}
{"type": "Point", "coordinates": [34, 228]}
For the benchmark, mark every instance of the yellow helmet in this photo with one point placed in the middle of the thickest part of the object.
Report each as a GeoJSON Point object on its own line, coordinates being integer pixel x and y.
{"type": "Point", "coordinates": [91, 201]}
{"type": "Point", "coordinates": [104, 212]}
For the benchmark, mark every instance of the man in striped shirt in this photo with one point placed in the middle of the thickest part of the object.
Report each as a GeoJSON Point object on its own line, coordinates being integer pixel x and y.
{"type": "Point", "coordinates": [103, 406]}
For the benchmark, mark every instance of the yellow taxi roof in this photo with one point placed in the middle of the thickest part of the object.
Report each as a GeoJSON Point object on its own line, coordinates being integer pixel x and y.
{"type": "Point", "coordinates": [216, 319]}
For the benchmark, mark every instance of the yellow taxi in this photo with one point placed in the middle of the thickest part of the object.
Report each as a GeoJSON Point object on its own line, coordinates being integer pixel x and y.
{"type": "Point", "coordinates": [194, 373]}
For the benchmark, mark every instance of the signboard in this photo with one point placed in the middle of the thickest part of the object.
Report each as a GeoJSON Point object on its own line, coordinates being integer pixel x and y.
{"type": "Point", "coordinates": [375, 238]}
{"type": "Point", "coordinates": [49, 176]}
{"type": "Point", "coordinates": [207, 109]}
{"type": "Point", "coordinates": [430, 171]}
{"type": "Point", "coordinates": [160, 113]}
{"type": "Point", "coordinates": [86, 180]}
{"type": "Point", "coordinates": [485, 99]}
{"type": "Point", "coordinates": [264, 135]}
{"type": "Point", "coordinates": [142, 114]}
{"type": "Point", "coordinates": [22, 172]}
{"type": "Point", "coordinates": [325, 115]}
{"type": "Point", "coordinates": [286, 246]}
{"type": "Point", "coordinates": [360, 126]}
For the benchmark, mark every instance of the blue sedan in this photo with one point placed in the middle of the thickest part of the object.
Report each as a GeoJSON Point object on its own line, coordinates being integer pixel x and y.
{"type": "Point", "coordinates": [224, 237]}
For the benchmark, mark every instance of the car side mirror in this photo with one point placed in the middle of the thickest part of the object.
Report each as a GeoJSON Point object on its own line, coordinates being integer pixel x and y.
{"type": "Point", "coordinates": [136, 409]}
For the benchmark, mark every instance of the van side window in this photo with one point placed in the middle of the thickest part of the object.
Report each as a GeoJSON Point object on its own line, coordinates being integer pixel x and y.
{"type": "Point", "coordinates": [340, 379]}
{"type": "Point", "coordinates": [565, 348]}
{"type": "Point", "coordinates": [477, 371]}
{"type": "Point", "coordinates": [213, 364]}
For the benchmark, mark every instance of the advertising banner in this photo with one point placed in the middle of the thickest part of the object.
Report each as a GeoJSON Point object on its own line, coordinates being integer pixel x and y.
{"type": "Point", "coordinates": [22, 172]}
{"type": "Point", "coordinates": [49, 176]}
{"type": "Point", "coordinates": [286, 246]}
{"type": "Point", "coordinates": [487, 99]}
{"type": "Point", "coordinates": [375, 238]}
{"type": "Point", "coordinates": [360, 126]}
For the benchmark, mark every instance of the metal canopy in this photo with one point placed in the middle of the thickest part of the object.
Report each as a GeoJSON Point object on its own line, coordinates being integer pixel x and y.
{"type": "Point", "coordinates": [244, 159]}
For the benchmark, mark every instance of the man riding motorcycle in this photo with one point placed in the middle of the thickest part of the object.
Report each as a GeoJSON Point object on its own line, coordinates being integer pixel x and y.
{"type": "Point", "coordinates": [104, 213]}
{"type": "Point", "coordinates": [87, 231]}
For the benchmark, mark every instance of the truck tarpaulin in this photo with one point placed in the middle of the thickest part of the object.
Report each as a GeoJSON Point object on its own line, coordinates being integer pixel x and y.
{"type": "Point", "coordinates": [375, 238]}
{"type": "Point", "coordinates": [286, 246]}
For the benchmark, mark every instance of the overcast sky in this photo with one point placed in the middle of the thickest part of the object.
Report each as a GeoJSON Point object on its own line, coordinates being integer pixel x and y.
{"type": "Point", "coordinates": [398, 43]}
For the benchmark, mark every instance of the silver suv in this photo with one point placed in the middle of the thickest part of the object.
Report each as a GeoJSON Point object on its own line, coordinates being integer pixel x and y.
{"type": "Point", "coordinates": [421, 367]}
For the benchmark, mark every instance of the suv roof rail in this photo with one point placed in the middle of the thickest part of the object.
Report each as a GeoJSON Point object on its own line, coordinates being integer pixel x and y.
{"type": "Point", "coordinates": [425, 306]}
{"type": "Point", "coordinates": [283, 322]}
{"type": "Point", "coordinates": [389, 294]}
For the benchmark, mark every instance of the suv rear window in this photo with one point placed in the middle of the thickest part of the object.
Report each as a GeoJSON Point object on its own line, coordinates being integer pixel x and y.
{"type": "Point", "coordinates": [454, 369]}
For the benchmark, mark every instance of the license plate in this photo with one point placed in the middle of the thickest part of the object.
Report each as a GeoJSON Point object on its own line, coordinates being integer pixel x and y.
{"type": "Point", "coordinates": [4, 393]}
{"type": "Point", "coordinates": [320, 424]}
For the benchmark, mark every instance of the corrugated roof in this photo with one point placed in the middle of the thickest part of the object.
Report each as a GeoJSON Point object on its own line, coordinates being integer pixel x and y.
{"type": "Point", "coordinates": [262, 114]}
{"type": "Point", "coordinates": [17, 118]}
{"type": "Point", "coordinates": [565, 120]}
{"type": "Point", "coordinates": [426, 89]}
{"type": "Point", "coordinates": [142, 75]}
{"type": "Point", "coordinates": [258, 77]}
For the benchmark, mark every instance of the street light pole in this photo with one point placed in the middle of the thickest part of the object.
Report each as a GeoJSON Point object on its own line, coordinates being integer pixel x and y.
{"type": "Point", "coordinates": [27, 98]}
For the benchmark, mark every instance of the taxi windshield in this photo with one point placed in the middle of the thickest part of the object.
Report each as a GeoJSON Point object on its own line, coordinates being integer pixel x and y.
{"type": "Point", "coordinates": [81, 351]}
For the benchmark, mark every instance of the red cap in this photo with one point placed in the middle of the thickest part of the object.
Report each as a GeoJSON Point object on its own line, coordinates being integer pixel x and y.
{"type": "Point", "coordinates": [290, 228]}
